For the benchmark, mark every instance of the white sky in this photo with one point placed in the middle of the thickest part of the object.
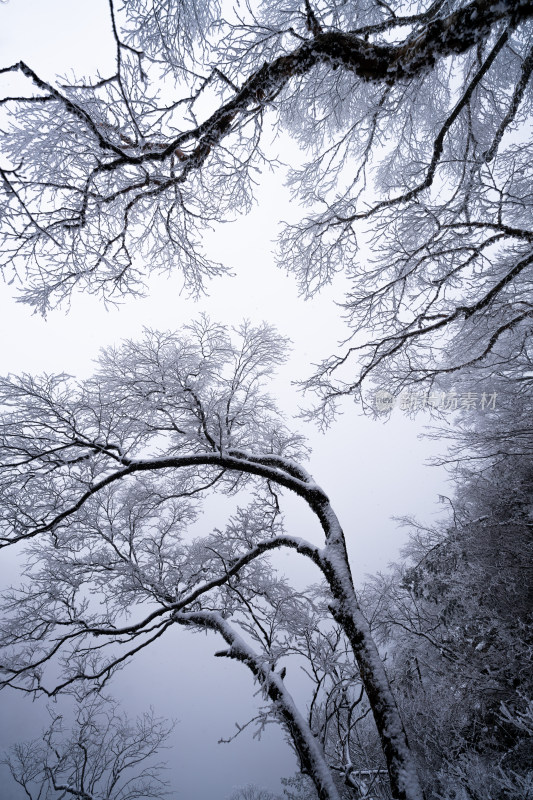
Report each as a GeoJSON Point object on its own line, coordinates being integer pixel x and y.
{"type": "Point", "coordinates": [371, 470]}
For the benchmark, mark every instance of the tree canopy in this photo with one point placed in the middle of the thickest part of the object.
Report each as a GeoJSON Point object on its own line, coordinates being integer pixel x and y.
{"type": "Point", "coordinates": [412, 120]}
{"type": "Point", "coordinates": [105, 478]}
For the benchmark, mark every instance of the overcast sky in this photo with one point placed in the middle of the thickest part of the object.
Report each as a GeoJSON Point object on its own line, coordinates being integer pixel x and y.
{"type": "Point", "coordinates": [370, 470]}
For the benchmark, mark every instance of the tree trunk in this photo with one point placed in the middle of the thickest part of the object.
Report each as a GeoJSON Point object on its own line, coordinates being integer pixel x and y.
{"type": "Point", "coordinates": [345, 609]}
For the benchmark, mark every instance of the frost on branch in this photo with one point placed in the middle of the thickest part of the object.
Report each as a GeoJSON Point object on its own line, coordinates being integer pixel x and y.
{"type": "Point", "coordinates": [104, 480]}
{"type": "Point", "coordinates": [410, 119]}
{"type": "Point", "coordinates": [455, 618]}
{"type": "Point", "coordinates": [104, 756]}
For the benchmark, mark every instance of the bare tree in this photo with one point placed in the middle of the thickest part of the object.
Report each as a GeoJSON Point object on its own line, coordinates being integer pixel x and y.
{"type": "Point", "coordinates": [103, 756]}
{"type": "Point", "coordinates": [416, 127]}
{"type": "Point", "coordinates": [103, 478]}
{"type": "Point", "coordinates": [252, 792]}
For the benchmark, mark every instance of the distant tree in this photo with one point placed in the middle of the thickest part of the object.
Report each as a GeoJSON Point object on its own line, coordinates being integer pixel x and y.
{"type": "Point", "coordinates": [416, 124]}
{"type": "Point", "coordinates": [298, 787]}
{"type": "Point", "coordinates": [103, 756]}
{"type": "Point", "coordinates": [252, 792]}
{"type": "Point", "coordinates": [103, 479]}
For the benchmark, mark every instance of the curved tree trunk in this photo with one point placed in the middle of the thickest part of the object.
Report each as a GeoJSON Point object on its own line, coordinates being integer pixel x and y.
{"type": "Point", "coordinates": [403, 776]}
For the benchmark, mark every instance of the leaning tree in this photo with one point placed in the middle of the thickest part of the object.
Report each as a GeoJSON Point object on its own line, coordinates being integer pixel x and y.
{"type": "Point", "coordinates": [102, 481]}
{"type": "Point", "coordinates": [414, 119]}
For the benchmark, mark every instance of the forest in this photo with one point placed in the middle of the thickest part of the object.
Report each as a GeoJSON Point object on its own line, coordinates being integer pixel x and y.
{"type": "Point", "coordinates": [149, 498]}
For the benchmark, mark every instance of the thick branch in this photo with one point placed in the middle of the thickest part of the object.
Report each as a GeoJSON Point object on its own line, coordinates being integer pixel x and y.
{"type": "Point", "coordinates": [441, 37]}
{"type": "Point", "coordinates": [310, 492]}
{"type": "Point", "coordinates": [310, 753]}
